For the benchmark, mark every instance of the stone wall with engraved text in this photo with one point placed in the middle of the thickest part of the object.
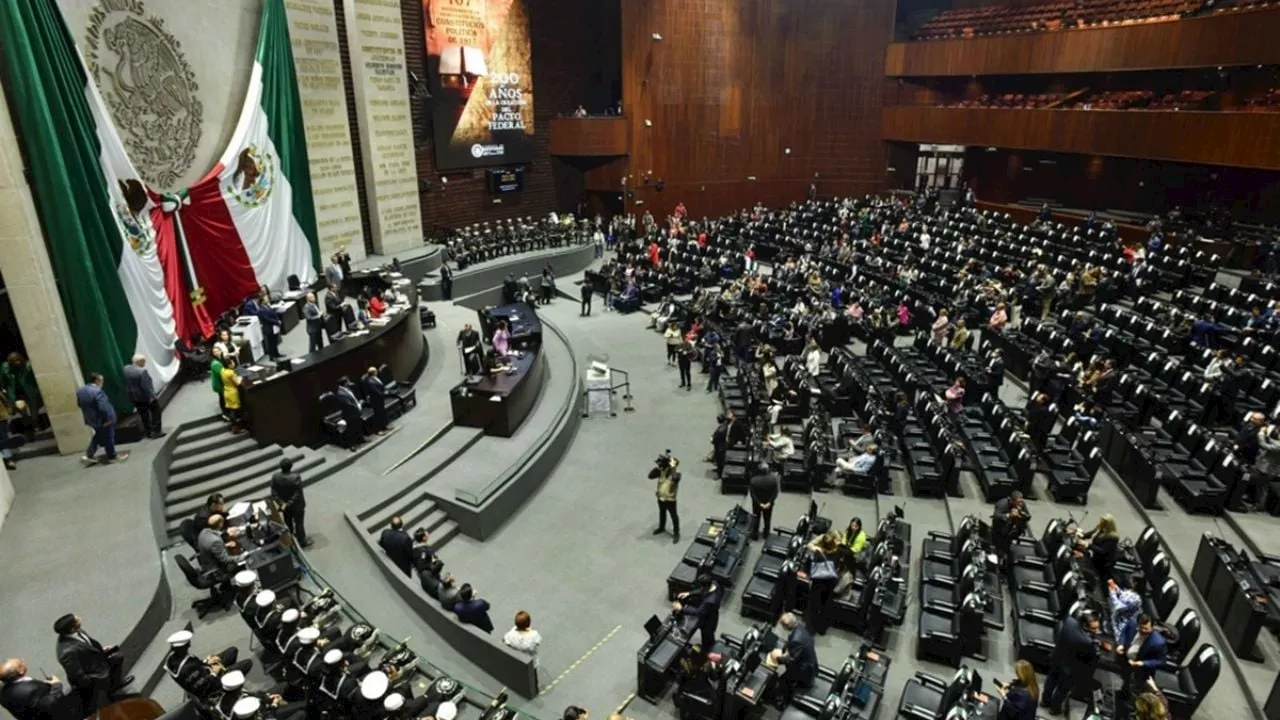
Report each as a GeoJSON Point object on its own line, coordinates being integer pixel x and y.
{"type": "Point", "coordinates": [376, 39]}
{"type": "Point", "coordinates": [318, 65]}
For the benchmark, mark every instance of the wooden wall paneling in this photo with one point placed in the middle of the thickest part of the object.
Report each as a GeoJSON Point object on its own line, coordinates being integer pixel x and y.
{"type": "Point", "coordinates": [589, 136]}
{"type": "Point", "coordinates": [1211, 138]}
{"type": "Point", "coordinates": [1240, 38]}
{"type": "Point", "coordinates": [734, 84]}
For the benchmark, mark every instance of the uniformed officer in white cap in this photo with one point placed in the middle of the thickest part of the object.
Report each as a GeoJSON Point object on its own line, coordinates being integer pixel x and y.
{"type": "Point", "coordinates": [337, 689]}
{"type": "Point", "coordinates": [200, 678]}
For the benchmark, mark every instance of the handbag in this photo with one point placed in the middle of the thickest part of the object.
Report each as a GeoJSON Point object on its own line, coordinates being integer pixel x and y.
{"type": "Point", "coordinates": [823, 569]}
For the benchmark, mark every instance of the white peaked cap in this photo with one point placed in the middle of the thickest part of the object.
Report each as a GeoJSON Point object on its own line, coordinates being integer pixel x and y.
{"type": "Point", "coordinates": [245, 578]}
{"type": "Point", "coordinates": [290, 615]}
{"type": "Point", "coordinates": [265, 598]}
{"type": "Point", "coordinates": [232, 680]}
{"type": "Point", "coordinates": [333, 657]}
{"type": "Point", "coordinates": [308, 635]}
{"type": "Point", "coordinates": [246, 707]}
{"type": "Point", "coordinates": [182, 638]}
{"type": "Point", "coordinates": [374, 685]}
{"type": "Point", "coordinates": [393, 702]}
{"type": "Point", "coordinates": [447, 711]}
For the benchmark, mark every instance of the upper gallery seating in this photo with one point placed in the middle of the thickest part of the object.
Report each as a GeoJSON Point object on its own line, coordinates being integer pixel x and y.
{"type": "Point", "coordinates": [1057, 15]}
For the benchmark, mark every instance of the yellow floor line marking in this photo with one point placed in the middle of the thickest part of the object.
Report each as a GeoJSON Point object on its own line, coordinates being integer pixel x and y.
{"type": "Point", "coordinates": [625, 703]}
{"type": "Point", "coordinates": [580, 660]}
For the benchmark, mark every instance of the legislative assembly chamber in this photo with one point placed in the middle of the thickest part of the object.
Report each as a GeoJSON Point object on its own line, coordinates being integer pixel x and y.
{"type": "Point", "coordinates": [640, 359]}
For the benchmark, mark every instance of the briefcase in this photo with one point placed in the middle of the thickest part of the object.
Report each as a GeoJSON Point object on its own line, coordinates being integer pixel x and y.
{"type": "Point", "coordinates": [426, 318]}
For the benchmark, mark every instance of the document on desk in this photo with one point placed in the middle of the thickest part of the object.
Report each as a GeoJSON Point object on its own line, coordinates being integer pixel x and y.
{"type": "Point", "coordinates": [495, 398]}
{"type": "Point", "coordinates": [240, 508]}
{"type": "Point", "coordinates": [379, 322]}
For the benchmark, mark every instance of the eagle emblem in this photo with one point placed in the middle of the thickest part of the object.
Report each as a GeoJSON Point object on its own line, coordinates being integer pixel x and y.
{"type": "Point", "coordinates": [254, 177]}
{"type": "Point", "coordinates": [148, 86]}
{"type": "Point", "coordinates": [134, 224]}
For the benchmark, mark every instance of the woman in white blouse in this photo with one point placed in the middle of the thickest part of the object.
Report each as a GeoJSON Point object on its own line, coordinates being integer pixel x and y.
{"type": "Point", "coordinates": [523, 638]}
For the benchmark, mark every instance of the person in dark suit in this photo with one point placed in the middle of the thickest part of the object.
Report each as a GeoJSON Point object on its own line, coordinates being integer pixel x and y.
{"type": "Point", "coordinates": [763, 486]}
{"type": "Point", "coordinates": [472, 610]}
{"type": "Point", "coordinates": [95, 671]}
{"type": "Point", "coordinates": [268, 318]}
{"type": "Point", "coordinates": [29, 699]}
{"type": "Point", "coordinates": [315, 323]}
{"type": "Point", "coordinates": [332, 312]}
{"type": "Point", "coordinates": [375, 393]}
{"type": "Point", "coordinates": [215, 504]}
{"type": "Point", "coordinates": [798, 656]}
{"type": "Point", "coordinates": [100, 416]}
{"type": "Point", "coordinates": [1040, 419]}
{"type": "Point", "coordinates": [446, 281]}
{"type": "Point", "coordinates": [423, 554]}
{"type": "Point", "coordinates": [1142, 648]}
{"type": "Point", "coordinates": [704, 604]}
{"type": "Point", "coordinates": [469, 346]}
{"type": "Point", "coordinates": [398, 546]}
{"type": "Point", "coordinates": [1008, 520]}
{"type": "Point", "coordinates": [585, 292]}
{"type": "Point", "coordinates": [1074, 655]}
{"type": "Point", "coordinates": [142, 393]}
{"type": "Point", "coordinates": [351, 409]}
{"type": "Point", "coordinates": [286, 490]}
{"type": "Point", "coordinates": [1104, 546]}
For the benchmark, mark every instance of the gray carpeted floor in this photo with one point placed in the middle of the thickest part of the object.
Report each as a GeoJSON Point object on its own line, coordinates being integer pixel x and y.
{"type": "Point", "coordinates": [579, 555]}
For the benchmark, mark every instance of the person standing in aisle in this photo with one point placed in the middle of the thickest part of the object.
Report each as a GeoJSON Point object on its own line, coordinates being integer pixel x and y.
{"type": "Point", "coordinates": [286, 490]}
{"type": "Point", "coordinates": [684, 360]}
{"type": "Point", "coordinates": [668, 478]}
{"type": "Point", "coordinates": [586, 292]}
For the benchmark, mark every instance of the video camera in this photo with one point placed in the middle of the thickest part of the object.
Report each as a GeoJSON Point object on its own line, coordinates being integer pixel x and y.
{"type": "Point", "coordinates": [667, 461]}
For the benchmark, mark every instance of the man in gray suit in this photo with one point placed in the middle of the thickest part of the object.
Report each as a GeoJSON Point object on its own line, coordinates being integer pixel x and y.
{"type": "Point", "coordinates": [315, 323]}
{"type": "Point", "coordinates": [333, 274]}
{"type": "Point", "coordinates": [142, 392]}
{"type": "Point", "coordinates": [211, 550]}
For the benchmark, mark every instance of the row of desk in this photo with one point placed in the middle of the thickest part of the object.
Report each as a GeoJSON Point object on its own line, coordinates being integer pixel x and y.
{"type": "Point", "coordinates": [283, 407]}
{"type": "Point", "coordinates": [1240, 593]}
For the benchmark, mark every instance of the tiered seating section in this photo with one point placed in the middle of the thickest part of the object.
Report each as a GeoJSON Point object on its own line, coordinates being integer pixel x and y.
{"type": "Point", "coordinates": [1144, 100]}
{"type": "Point", "coordinates": [1049, 16]}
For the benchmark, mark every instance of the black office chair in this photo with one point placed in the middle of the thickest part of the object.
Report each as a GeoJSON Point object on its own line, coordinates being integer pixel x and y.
{"type": "Point", "coordinates": [202, 581]}
{"type": "Point", "coordinates": [1186, 633]}
{"type": "Point", "coordinates": [187, 531]}
{"type": "Point", "coordinates": [1186, 687]}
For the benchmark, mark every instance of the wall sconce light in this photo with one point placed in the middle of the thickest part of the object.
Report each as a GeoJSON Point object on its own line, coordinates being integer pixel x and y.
{"type": "Point", "coordinates": [648, 123]}
{"type": "Point", "coordinates": [657, 37]}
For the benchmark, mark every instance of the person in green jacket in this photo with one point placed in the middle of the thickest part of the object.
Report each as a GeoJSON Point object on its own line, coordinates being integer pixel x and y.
{"type": "Point", "coordinates": [19, 382]}
{"type": "Point", "coordinates": [215, 379]}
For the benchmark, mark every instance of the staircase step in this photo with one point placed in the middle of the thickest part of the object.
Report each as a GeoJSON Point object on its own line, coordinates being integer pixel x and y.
{"type": "Point", "coordinates": [217, 483]}
{"type": "Point", "coordinates": [224, 466]}
{"type": "Point", "coordinates": [227, 448]}
{"type": "Point", "coordinates": [40, 447]}
{"type": "Point", "coordinates": [426, 515]}
{"type": "Point", "coordinates": [247, 486]}
{"type": "Point", "coordinates": [186, 449]}
{"type": "Point", "coordinates": [202, 432]}
{"type": "Point", "coordinates": [442, 535]}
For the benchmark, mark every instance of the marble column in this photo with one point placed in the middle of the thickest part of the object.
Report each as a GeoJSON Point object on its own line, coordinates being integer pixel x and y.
{"type": "Point", "coordinates": [33, 293]}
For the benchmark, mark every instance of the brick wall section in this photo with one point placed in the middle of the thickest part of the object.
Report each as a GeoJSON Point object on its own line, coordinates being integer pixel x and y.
{"type": "Point", "coordinates": [357, 154]}
{"type": "Point", "coordinates": [565, 73]}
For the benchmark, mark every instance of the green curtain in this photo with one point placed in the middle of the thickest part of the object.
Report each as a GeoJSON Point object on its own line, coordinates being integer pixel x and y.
{"type": "Point", "coordinates": [46, 83]}
{"type": "Point", "coordinates": [283, 108]}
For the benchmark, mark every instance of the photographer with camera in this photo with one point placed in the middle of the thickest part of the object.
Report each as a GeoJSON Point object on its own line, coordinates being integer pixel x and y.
{"type": "Point", "coordinates": [1008, 521]}
{"type": "Point", "coordinates": [668, 478]}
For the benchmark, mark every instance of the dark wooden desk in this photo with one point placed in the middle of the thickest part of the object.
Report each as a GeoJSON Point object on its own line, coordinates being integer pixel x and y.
{"type": "Point", "coordinates": [473, 405]}
{"type": "Point", "coordinates": [284, 409]}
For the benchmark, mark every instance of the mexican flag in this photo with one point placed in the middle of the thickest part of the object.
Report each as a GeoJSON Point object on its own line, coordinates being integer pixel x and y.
{"type": "Point", "coordinates": [99, 223]}
{"type": "Point", "coordinates": [251, 220]}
